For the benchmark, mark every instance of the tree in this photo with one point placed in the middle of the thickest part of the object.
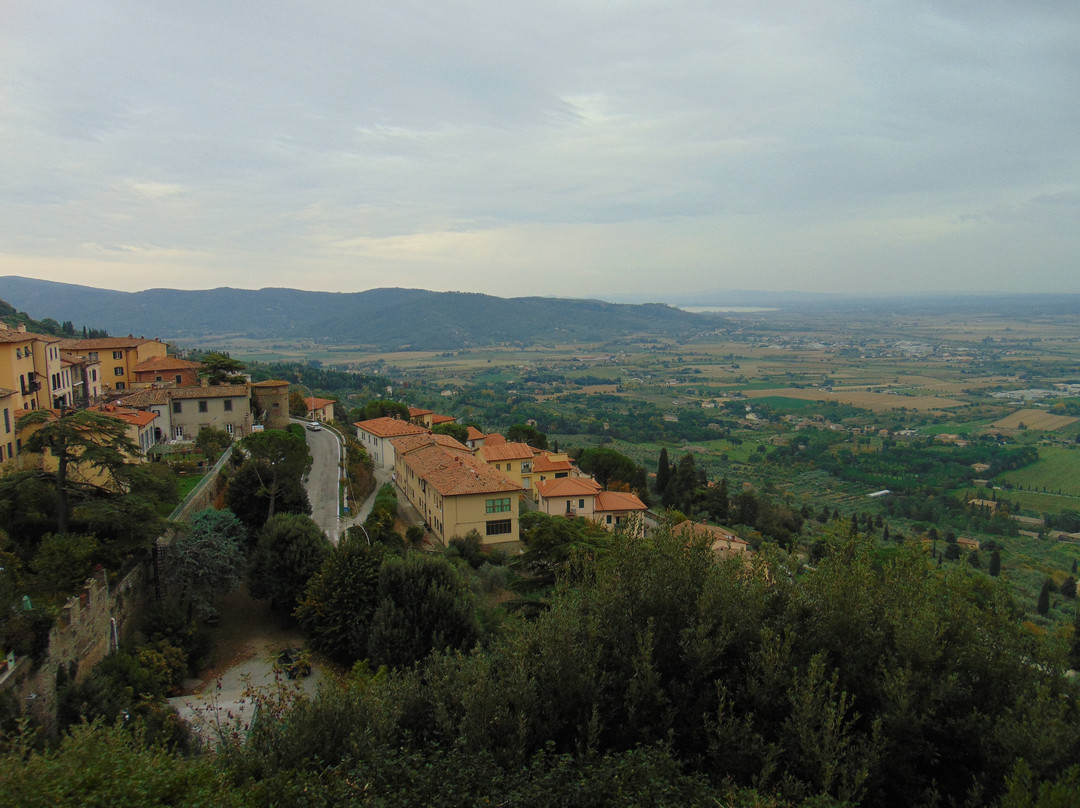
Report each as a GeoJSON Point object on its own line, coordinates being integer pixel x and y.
{"type": "Point", "coordinates": [952, 552]}
{"type": "Point", "coordinates": [718, 501]}
{"type": "Point", "coordinates": [246, 497]}
{"type": "Point", "coordinates": [63, 561]}
{"type": "Point", "coordinates": [663, 471]}
{"type": "Point", "coordinates": [994, 569]}
{"type": "Point", "coordinates": [383, 408]}
{"type": "Point", "coordinates": [526, 433]}
{"type": "Point", "coordinates": [277, 458]}
{"type": "Point", "coordinates": [340, 600]}
{"type": "Point", "coordinates": [1068, 588]}
{"type": "Point", "coordinates": [290, 550]}
{"type": "Point", "coordinates": [1043, 605]}
{"type": "Point", "coordinates": [424, 606]}
{"type": "Point", "coordinates": [220, 368]}
{"type": "Point", "coordinates": [212, 441]}
{"type": "Point", "coordinates": [90, 450]}
{"type": "Point", "coordinates": [608, 466]}
{"type": "Point", "coordinates": [458, 432]}
{"type": "Point", "coordinates": [206, 560]}
{"type": "Point", "coordinates": [298, 405]}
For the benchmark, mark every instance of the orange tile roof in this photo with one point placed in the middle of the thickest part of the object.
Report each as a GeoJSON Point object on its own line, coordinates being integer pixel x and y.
{"type": "Point", "coordinates": [387, 427]}
{"type": "Point", "coordinates": [442, 419]}
{"type": "Point", "coordinates": [416, 412]}
{"type": "Point", "coordinates": [270, 383]}
{"type": "Point", "coordinates": [149, 397]}
{"type": "Point", "coordinates": [409, 443]}
{"type": "Point", "coordinates": [475, 434]}
{"type": "Point", "coordinates": [545, 463]}
{"type": "Point", "coordinates": [711, 532]}
{"type": "Point", "coordinates": [505, 451]}
{"type": "Point", "coordinates": [455, 473]}
{"type": "Point", "coordinates": [313, 403]}
{"type": "Point", "coordinates": [139, 418]}
{"type": "Point", "coordinates": [617, 501]}
{"type": "Point", "coordinates": [568, 487]}
{"type": "Point", "coordinates": [11, 335]}
{"type": "Point", "coordinates": [493, 438]}
{"type": "Point", "coordinates": [165, 363]}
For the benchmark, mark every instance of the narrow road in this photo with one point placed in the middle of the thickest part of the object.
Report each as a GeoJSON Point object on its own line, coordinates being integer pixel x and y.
{"type": "Point", "coordinates": [322, 482]}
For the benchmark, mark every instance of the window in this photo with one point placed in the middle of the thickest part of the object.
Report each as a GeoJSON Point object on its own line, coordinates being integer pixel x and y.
{"type": "Point", "coordinates": [10, 454]}
{"type": "Point", "coordinates": [178, 432]}
{"type": "Point", "coordinates": [499, 527]}
{"type": "Point", "coordinates": [157, 378]}
{"type": "Point", "coordinates": [229, 428]}
{"type": "Point", "coordinates": [93, 374]}
{"type": "Point", "coordinates": [176, 407]}
{"type": "Point", "coordinates": [18, 353]}
{"type": "Point", "coordinates": [117, 371]}
{"type": "Point", "coordinates": [581, 503]}
{"type": "Point", "coordinates": [202, 406]}
{"type": "Point", "coordinates": [526, 466]}
{"type": "Point", "coordinates": [117, 354]}
{"type": "Point", "coordinates": [498, 505]}
{"type": "Point", "coordinates": [228, 405]}
{"type": "Point", "coordinates": [179, 378]}
{"type": "Point", "coordinates": [7, 420]}
{"type": "Point", "coordinates": [609, 518]}
{"type": "Point", "coordinates": [119, 385]}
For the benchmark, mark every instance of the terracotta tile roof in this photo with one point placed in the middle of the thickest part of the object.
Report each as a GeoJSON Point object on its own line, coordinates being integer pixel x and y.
{"type": "Point", "coordinates": [475, 434]}
{"type": "Point", "coordinates": [270, 383]}
{"type": "Point", "coordinates": [416, 412]}
{"type": "Point", "coordinates": [545, 463]}
{"type": "Point", "coordinates": [74, 359]}
{"type": "Point", "coordinates": [493, 439]}
{"type": "Point", "coordinates": [455, 474]}
{"type": "Point", "coordinates": [146, 398]}
{"type": "Point", "coordinates": [410, 443]}
{"type": "Point", "coordinates": [617, 501]}
{"type": "Point", "coordinates": [387, 427]}
{"type": "Point", "coordinates": [568, 487]}
{"type": "Point", "coordinates": [165, 363]}
{"type": "Point", "coordinates": [11, 335]}
{"type": "Point", "coordinates": [105, 343]}
{"type": "Point", "coordinates": [4, 392]}
{"type": "Point", "coordinates": [139, 418]}
{"type": "Point", "coordinates": [442, 419]}
{"type": "Point", "coordinates": [313, 403]}
{"type": "Point", "coordinates": [711, 532]}
{"type": "Point", "coordinates": [505, 451]}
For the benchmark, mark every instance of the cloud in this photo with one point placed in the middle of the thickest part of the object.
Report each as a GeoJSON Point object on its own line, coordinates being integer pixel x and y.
{"type": "Point", "coordinates": [550, 148]}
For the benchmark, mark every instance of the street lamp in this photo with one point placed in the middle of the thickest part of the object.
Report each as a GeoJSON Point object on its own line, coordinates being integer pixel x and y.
{"type": "Point", "coordinates": [310, 399]}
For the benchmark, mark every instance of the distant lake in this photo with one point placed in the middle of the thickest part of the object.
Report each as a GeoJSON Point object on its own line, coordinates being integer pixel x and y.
{"type": "Point", "coordinates": [711, 309]}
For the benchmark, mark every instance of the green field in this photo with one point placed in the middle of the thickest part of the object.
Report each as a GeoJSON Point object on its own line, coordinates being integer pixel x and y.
{"type": "Point", "coordinates": [1058, 469]}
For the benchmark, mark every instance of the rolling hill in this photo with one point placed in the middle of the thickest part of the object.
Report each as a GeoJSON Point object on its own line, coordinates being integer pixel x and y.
{"type": "Point", "coordinates": [382, 318]}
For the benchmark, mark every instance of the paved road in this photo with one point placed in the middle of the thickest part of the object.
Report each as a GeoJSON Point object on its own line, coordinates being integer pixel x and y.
{"type": "Point", "coordinates": [322, 483]}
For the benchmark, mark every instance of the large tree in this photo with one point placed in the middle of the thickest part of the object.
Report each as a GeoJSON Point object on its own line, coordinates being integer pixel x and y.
{"type": "Point", "coordinates": [277, 458]}
{"type": "Point", "coordinates": [220, 368]}
{"type": "Point", "coordinates": [291, 549]}
{"type": "Point", "coordinates": [525, 433]}
{"type": "Point", "coordinates": [91, 451]}
{"type": "Point", "coordinates": [206, 560]}
{"type": "Point", "coordinates": [609, 466]}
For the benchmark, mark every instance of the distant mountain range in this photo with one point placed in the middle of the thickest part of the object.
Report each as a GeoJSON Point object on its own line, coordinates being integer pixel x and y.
{"type": "Point", "coordinates": [382, 318]}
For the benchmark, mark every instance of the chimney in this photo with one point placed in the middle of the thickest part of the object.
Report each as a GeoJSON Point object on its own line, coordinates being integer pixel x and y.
{"type": "Point", "coordinates": [22, 328]}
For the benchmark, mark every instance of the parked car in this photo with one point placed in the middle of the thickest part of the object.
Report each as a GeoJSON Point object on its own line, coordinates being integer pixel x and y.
{"type": "Point", "coordinates": [314, 426]}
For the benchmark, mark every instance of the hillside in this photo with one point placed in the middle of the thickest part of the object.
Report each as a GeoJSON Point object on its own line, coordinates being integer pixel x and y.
{"type": "Point", "coordinates": [388, 318]}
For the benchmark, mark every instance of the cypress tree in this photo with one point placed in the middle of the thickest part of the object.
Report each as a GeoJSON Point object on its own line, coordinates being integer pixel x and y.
{"type": "Point", "coordinates": [663, 471]}
{"type": "Point", "coordinates": [995, 564]}
{"type": "Point", "coordinates": [1043, 605]}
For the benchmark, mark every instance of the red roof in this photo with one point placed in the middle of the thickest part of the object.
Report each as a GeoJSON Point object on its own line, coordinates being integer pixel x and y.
{"type": "Point", "coordinates": [455, 473]}
{"type": "Point", "coordinates": [313, 403]}
{"type": "Point", "coordinates": [617, 501]}
{"type": "Point", "coordinates": [164, 363]}
{"type": "Point", "coordinates": [505, 451]}
{"type": "Point", "coordinates": [387, 427]}
{"type": "Point", "coordinates": [545, 463]}
{"type": "Point", "coordinates": [568, 487]}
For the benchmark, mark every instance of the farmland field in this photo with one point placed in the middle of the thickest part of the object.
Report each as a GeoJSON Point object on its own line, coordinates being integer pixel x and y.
{"type": "Point", "coordinates": [1033, 419]}
{"type": "Point", "coordinates": [1058, 469]}
{"type": "Point", "coordinates": [877, 402]}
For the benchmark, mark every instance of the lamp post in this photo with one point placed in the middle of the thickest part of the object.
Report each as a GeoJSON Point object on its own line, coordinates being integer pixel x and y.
{"type": "Point", "coordinates": [310, 399]}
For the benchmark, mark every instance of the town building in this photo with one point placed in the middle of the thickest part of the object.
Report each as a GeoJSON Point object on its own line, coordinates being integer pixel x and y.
{"type": "Point", "coordinates": [119, 356]}
{"type": "Point", "coordinates": [376, 435]}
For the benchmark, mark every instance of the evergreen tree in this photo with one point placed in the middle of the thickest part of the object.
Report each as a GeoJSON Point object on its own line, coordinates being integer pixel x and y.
{"type": "Point", "coordinates": [291, 549]}
{"type": "Point", "coordinates": [1068, 588]}
{"type": "Point", "coordinates": [1043, 606]}
{"type": "Point", "coordinates": [995, 564]}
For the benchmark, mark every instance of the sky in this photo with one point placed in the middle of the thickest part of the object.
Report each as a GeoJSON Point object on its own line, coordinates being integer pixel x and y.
{"type": "Point", "coordinates": [594, 148]}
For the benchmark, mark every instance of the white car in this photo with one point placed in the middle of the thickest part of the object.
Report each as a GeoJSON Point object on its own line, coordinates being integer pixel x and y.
{"type": "Point", "coordinates": [314, 426]}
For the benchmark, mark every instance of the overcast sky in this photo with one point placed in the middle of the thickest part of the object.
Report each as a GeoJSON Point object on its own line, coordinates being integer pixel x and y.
{"type": "Point", "coordinates": [571, 149]}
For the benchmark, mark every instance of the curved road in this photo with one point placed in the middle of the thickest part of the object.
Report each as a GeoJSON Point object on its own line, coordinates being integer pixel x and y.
{"type": "Point", "coordinates": [322, 482]}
